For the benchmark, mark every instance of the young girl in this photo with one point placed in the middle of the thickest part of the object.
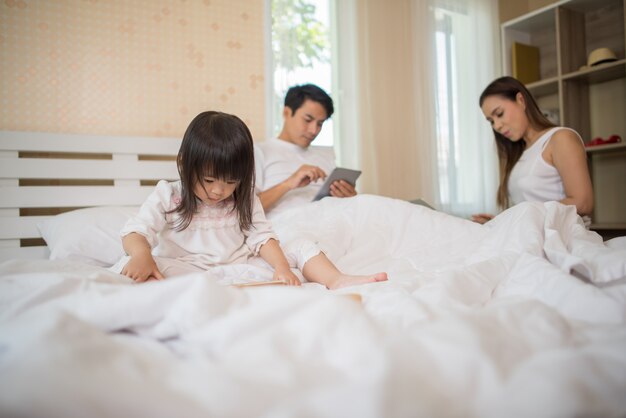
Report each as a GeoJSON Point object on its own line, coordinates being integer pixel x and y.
{"type": "Point", "coordinates": [539, 162]}
{"type": "Point", "coordinates": [211, 216]}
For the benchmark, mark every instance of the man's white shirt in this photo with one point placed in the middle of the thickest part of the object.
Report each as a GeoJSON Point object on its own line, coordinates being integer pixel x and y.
{"type": "Point", "coordinates": [276, 160]}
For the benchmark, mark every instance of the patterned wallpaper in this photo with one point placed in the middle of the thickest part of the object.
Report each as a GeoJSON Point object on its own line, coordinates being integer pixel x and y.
{"type": "Point", "coordinates": [129, 67]}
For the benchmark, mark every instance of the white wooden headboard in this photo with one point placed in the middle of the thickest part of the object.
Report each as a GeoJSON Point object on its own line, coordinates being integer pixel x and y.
{"type": "Point", "coordinates": [42, 172]}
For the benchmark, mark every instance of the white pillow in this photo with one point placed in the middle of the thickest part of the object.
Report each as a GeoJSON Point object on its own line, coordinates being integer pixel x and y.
{"type": "Point", "coordinates": [89, 235]}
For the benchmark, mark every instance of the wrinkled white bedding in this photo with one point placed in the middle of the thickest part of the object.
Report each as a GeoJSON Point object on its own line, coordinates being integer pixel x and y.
{"type": "Point", "coordinates": [524, 316]}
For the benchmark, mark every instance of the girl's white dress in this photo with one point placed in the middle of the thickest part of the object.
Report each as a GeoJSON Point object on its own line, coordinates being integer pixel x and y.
{"type": "Point", "coordinates": [213, 238]}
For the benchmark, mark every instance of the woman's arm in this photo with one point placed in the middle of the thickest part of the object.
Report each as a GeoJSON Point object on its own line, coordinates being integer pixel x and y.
{"type": "Point", "coordinates": [567, 154]}
{"type": "Point", "coordinates": [274, 255]}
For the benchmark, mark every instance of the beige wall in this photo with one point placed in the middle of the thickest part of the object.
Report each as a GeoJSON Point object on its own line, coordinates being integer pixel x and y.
{"type": "Point", "coordinates": [129, 67]}
{"type": "Point", "coordinates": [510, 9]}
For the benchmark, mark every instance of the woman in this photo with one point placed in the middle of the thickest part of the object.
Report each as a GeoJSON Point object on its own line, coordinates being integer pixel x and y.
{"type": "Point", "coordinates": [539, 161]}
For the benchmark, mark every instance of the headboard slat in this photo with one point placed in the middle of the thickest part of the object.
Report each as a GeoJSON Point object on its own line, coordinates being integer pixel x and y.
{"type": "Point", "coordinates": [24, 253]}
{"type": "Point", "coordinates": [39, 168]}
{"type": "Point", "coordinates": [20, 227]}
{"type": "Point", "coordinates": [73, 196]}
{"type": "Point", "coordinates": [58, 172]}
{"type": "Point", "coordinates": [51, 142]}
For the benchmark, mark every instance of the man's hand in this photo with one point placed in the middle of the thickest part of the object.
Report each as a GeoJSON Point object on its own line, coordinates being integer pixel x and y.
{"type": "Point", "coordinates": [342, 188]}
{"type": "Point", "coordinates": [304, 175]}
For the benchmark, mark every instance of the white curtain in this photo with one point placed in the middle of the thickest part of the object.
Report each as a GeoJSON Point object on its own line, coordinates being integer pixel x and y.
{"type": "Point", "coordinates": [467, 51]}
{"type": "Point", "coordinates": [393, 110]}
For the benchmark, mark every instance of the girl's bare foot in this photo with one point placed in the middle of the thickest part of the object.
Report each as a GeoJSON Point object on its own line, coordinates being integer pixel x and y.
{"type": "Point", "coordinates": [344, 280]}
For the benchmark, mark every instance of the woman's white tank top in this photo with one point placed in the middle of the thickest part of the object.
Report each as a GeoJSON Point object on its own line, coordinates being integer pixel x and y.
{"type": "Point", "coordinates": [532, 178]}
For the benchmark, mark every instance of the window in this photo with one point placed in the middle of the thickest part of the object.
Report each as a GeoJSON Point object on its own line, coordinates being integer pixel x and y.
{"type": "Point", "coordinates": [466, 61]}
{"type": "Point", "coordinates": [447, 146]}
{"type": "Point", "coordinates": [299, 52]}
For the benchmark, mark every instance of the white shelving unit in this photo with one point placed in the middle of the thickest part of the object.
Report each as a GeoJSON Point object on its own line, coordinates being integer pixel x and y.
{"type": "Point", "coordinates": [591, 100]}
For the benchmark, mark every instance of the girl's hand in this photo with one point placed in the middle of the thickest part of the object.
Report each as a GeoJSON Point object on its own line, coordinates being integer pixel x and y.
{"type": "Point", "coordinates": [287, 276]}
{"type": "Point", "coordinates": [141, 268]}
{"type": "Point", "coordinates": [482, 218]}
{"type": "Point", "coordinates": [273, 254]}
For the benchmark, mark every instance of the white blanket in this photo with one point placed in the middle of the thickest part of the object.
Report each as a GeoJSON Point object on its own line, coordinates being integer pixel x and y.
{"type": "Point", "coordinates": [524, 316]}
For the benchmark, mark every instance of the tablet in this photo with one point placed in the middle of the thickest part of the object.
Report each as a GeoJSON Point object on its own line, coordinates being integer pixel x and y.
{"type": "Point", "coordinates": [338, 174]}
{"type": "Point", "coordinates": [421, 202]}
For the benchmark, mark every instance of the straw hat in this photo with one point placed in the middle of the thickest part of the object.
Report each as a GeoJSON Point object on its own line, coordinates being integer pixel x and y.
{"type": "Point", "coordinates": [601, 55]}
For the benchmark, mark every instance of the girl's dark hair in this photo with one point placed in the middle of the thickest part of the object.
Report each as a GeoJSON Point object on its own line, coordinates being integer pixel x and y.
{"type": "Point", "coordinates": [509, 152]}
{"type": "Point", "coordinates": [216, 145]}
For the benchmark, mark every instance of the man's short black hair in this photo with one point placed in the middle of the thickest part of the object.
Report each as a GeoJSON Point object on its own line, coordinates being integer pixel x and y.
{"type": "Point", "coordinates": [297, 95]}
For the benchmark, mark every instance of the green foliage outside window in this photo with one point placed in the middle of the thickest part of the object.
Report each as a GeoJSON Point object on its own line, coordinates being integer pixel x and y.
{"type": "Point", "coordinates": [299, 40]}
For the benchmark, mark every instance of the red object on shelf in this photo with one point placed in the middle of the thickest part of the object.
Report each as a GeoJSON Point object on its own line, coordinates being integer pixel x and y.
{"type": "Point", "coordinates": [613, 139]}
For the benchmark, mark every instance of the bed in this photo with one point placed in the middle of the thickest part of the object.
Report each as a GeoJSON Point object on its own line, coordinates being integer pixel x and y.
{"type": "Point", "coordinates": [524, 316]}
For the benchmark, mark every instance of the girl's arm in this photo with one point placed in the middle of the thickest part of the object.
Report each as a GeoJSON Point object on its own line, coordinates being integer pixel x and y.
{"type": "Point", "coordinates": [274, 255]}
{"type": "Point", "coordinates": [569, 158]}
{"type": "Point", "coordinates": [141, 265]}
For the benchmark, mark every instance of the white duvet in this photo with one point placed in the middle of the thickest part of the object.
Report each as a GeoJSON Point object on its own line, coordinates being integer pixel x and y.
{"type": "Point", "coordinates": [522, 317]}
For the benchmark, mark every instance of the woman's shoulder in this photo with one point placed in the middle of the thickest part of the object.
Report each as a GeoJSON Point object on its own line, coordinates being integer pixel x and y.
{"type": "Point", "coordinates": [566, 141]}
{"type": "Point", "coordinates": [563, 134]}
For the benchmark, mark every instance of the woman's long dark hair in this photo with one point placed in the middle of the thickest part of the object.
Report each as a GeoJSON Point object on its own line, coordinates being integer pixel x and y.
{"type": "Point", "coordinates": [216, 145]}
{"type": "Point", "coordinates": [509, 152]}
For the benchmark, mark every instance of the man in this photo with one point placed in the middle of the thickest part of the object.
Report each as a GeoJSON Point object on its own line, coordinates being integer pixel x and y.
{"type": "Point", "coordinates": [289, 172]}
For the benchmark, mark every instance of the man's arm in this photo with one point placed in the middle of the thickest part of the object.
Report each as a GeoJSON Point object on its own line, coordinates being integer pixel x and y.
{"type": "Point", "coordinates": [271, 196]}
{"type": "Point", "coordinates": [302, 177]}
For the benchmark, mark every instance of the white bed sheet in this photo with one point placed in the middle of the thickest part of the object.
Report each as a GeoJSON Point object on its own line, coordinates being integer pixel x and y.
{"type": "Point", "coordinates": [490, 321]}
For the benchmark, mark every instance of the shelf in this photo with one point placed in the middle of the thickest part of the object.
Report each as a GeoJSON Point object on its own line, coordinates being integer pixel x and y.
{"type": "Point", "coordinates": [544, 87]}
{"type": "Point", "coordinates": [605, 226]}
{"type": "Point", "coordinates": [605, 147]}
{"type": "Point", "coordinates": [590, 100]}
{"type": "Point", "coordinates": [599, 74]}
{"type": "Point", "coordinates": [534, 21]}
{"type": "Point", "coordinates": [538, 31]}
{"type": "Point", "coordinates": [584, 6]}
